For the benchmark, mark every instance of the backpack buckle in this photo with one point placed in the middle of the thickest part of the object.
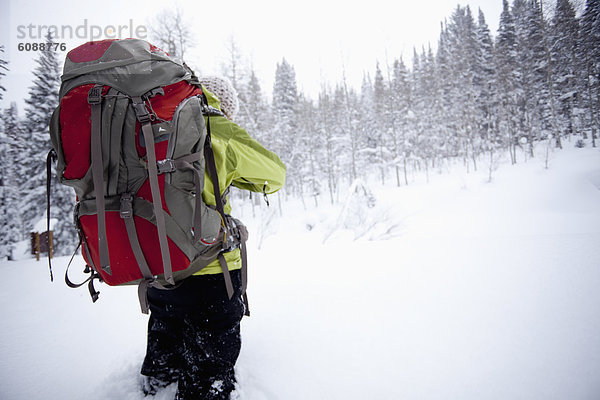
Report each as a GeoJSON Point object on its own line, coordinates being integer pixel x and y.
{"type": "Point", "coordinates": [165, 166]}
{"type": "Point", "coordinates": [126, 210]}
{"type": "Point", "coordinates": [141, 112]}
{"type": "Point", "coordinates": [95, 95]}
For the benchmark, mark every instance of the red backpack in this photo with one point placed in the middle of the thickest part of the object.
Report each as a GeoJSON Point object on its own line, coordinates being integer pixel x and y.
{"type": "Point", "coordinates": [131, 139]}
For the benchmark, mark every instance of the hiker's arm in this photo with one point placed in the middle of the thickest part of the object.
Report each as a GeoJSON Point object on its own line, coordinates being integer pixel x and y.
{"type": "Point", "coordinates": [256, 168]}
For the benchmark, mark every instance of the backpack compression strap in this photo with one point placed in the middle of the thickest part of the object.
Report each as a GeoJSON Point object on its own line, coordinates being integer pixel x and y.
{"type": "Point", "coordinates": [95, 101]}
{"type": "Point", "coordinates": [143, 116]}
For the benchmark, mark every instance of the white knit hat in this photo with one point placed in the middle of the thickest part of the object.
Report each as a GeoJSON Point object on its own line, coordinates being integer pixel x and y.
{"type": "Point", "coordinates": [226, 93]}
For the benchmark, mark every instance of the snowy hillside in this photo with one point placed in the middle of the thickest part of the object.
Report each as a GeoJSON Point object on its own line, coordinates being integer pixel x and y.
{"type": "Point", "coordinates": [452, 289]}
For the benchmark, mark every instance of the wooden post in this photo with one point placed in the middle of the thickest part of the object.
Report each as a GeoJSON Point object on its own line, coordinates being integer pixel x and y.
{"type": "Point", "coordinates": [50, 244]}
{"type": "Point", "coordinates": [35, 245]}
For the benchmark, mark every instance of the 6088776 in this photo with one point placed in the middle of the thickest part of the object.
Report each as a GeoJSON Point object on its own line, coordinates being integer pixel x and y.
{"type": "Point", "coordinates": [42, 46]}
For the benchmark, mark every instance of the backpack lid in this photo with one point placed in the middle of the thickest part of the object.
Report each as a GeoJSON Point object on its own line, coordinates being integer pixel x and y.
{"type": "Point", "coordinates": [132, 66]}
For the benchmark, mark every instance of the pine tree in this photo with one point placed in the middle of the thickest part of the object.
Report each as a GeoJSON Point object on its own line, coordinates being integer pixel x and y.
{"type": "Point", "coordinates": [533, 94]}
{"type": "Point", "coordinates": [484, 79]}
{"type": "Point", "coordinates": [444, 73]}
{"type": "Point", "coordinates": [311, 155]}
{"type": "Point", "coordinates": [11, 148]}
{"type": "Point", "coordinates": [462, 35]}
{"type": "Point", "coordinates": [550, 78]}
{"type": "Point", "coordinates": [381, 124]}
{"type": "Point", "coordinates": [565, 31]}
{"type": "Point", "coordinates": [3, 70]}
{"type": "Point", "coordinates": [349, 122]}
{"type": "Point", "coordinates": [285, 135]}
{"type": "Point", "coordinates": [400, 98]}
{"type": "Point", "coordinates": [254, 110]}
{"type": "Point", "coordinates": [506, 65]}
{"type": "Point", "coordinates": [42, 100]}
{"type": "Point", "coordinates": [589, 51]}
{"type": "Point", "coordinates": [325, 123]}
{"type": "Point", "coordinates": [370, 121]}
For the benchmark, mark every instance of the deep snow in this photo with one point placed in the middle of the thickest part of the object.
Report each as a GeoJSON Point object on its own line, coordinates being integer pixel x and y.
{"type": "Point", "coordinates": [452, 289]}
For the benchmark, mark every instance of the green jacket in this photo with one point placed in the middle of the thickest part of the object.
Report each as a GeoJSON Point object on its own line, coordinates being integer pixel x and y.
{"type": "Point", "coordinates": [242, 162]}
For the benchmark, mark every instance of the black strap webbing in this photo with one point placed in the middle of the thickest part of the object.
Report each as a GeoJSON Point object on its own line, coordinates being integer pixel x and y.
{"type": "Point", "coordinates": [49, 160]}
{"type": "Point", "coordinates": [212, 169]}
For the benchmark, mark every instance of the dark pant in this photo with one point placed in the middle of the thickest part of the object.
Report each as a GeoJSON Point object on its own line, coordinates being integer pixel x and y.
{"type": "Point", "coordinates": [194, 336]}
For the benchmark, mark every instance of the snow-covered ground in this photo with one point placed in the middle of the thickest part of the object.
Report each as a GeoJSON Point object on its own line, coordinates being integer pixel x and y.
{"type": "Point", "coordinates": [452, 289]}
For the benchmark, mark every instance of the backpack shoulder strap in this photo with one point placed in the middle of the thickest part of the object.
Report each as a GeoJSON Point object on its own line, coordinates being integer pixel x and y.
{"type": "Point", "coordinates": [240, 228]}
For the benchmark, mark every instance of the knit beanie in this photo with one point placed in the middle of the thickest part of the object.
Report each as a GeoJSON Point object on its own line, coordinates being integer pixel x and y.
{"type": "Point", "coordinates": [223, 89]}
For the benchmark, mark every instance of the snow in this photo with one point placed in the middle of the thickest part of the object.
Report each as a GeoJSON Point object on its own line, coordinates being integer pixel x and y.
{"type": "Point", "coordinates": [42, 225]}
{"type": "Point", "coordinates": [460, 289]}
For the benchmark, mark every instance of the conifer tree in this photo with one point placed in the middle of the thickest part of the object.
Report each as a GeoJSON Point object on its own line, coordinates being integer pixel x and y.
{"type": "Point", "coordinates": [550, 79]}
{"type": "Point", "coordinates": [254, 112]}
{"type": "Point", "coordinates": [400, 98]}
{"type": "Point", "coordinates": [380, 125]}
{"type": "Point", "coordinates": [349, 123]}
{"type": "Point", "coordinates": [325, 123]}
{"type": "Point", "coordinates": [41, 102]}
{"type": "Point", "coordinates": [444, 73]}
{"type": "Point", "coordinates": [369, 125]}
{"type": "Point", "coordinates": [533, 94]}
{"type": "Point", "coordinates": [3, 70]}
{"type": "Point", "coordinates": [589, 51]}
{"type": "Point", "coordinates": [284, 136]}
{"type": "Point", "coordinates": [10, 219]}
{"type": "Point", "coordinates": [564, 37]}
{"type": "Point", "coordinates": [484, 81]}
{"type": "Point", "coordinates": [506, 65]}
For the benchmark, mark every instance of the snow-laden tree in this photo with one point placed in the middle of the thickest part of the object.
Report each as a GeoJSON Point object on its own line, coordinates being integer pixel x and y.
{"type": "Point", "coordinates": [589, 54]}
{"type": "Point", "coordinates": [254, 111]}
{"type": "Point", "coordinates": [369, 128]}
{"type": "Point", "coordinates": [532, 85]}
{"type": "Point", "coordinates": [41, 101]}
{"type": "Point", "coordinates": [400, 101]}
{"type": "Point", "coordinates": [311, 158]}
{"type": "Point", "coordinates": [424, 134]}
{"type": "Point", "coordinates": [444, 75]}
{"type": "Point", "coordinates": [10, 218]}
{"type": "Point", "coordinates": [381, 124]}
{"type": "Point", "coordinates": [463, 49]}
{"type": "Point", "coordinates": [13, 149]}
{"type": "Point", "coordinates": [284, 134]}
{"type": "Point", "coordinates": [484, 80]}
{"type": "Point", "coordinates": [564, 39]}
{"type": "Point", "coordinates": [3, 70]}
{"type": "Point", "coordinates": [506, 67]}
{"type": "Point", "coordinates": [331, 153]}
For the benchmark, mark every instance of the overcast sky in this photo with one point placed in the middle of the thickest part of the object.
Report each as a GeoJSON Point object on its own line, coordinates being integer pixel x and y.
{"type": "Point", "coordinates": [320, 38]}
